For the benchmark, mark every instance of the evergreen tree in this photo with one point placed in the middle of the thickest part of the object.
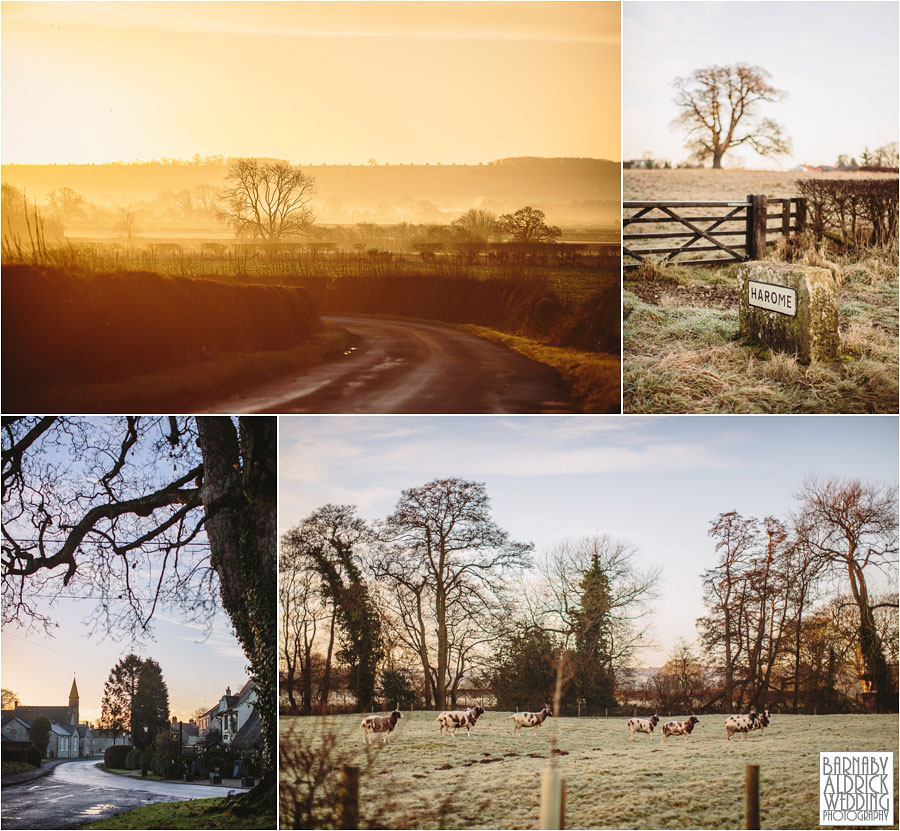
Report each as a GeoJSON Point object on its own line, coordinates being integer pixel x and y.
{"type": "Point", "coordinates": [524, 675]}
{"type": "Point", "coordinates": [591, 663]}
{"type": "Point", "coordinates": [119, 692]}
{"type": "Point", "coordinates": [39, 734]}
{"type": "Point", "coordinates": [150, 707]}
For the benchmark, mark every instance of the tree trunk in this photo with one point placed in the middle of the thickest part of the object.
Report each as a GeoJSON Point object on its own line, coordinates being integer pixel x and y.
{"type": "Point", "coordinates": [326, 676]}
{"type": "Point", "coordinates": [239, 497]}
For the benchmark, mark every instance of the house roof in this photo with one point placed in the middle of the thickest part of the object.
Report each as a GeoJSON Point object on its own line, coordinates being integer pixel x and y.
{"type": "Point", "coordinates": [83, 729]}
{"type": "Point", "coordinates": [29, 712]}
{"type": "Point", "coordinates": [250, 735]}
{"type": "Point", "coordinates": [21, 721]}
{"type": "Point", "coordinates": [62, 730]}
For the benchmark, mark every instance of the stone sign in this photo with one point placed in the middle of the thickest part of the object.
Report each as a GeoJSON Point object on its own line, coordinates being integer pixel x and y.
{"type": "Point", "coordinates": [790, 308]}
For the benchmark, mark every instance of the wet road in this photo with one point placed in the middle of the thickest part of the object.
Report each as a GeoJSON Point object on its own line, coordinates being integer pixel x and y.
{"type": "Point", "coordinates": [76, 793]}
{"type": "Point", "coordinates": [411, 366]}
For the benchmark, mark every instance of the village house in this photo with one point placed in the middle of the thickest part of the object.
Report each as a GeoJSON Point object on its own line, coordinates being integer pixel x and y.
{"type": "Point", "coordinates": [235, 717]}
{"type": "Point", "coordinates": [69, 738]}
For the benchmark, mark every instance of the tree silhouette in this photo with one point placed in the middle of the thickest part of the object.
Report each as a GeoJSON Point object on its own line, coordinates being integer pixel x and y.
{"type": "Point", "coordinates": [150, 706]}
{"type": "Point", "coordinates": [267, 201]}
{"type": "Point", "coordinates": [527, 225]}
{"type": "Point", "coordinates": [719, 110]}
{"type": "Point", "coordinates": [119, 692]}
{"type": "Point", "coordinates": [118, 507]}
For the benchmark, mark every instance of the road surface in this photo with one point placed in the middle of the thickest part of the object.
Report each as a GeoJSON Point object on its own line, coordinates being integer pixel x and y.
{"type": "Point", "coordinates": [411, 366]}
{"type": "Point", "coordinates": [78, 792]}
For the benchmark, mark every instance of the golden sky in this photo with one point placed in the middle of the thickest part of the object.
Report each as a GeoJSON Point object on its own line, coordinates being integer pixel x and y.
{"type": "Point", "coordinates": [332, 82]}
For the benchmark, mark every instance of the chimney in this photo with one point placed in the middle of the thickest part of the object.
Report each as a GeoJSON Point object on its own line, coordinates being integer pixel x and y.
{"type": "Point", "coordinates": [227, 690]}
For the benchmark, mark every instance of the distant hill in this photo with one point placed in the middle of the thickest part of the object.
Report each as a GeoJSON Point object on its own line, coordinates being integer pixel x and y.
{"type": "Point", "coordinates": [568, 189]}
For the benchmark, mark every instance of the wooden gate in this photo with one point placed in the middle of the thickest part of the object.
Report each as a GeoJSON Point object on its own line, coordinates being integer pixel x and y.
{"type": "Point", "coordinates": [748, 221]}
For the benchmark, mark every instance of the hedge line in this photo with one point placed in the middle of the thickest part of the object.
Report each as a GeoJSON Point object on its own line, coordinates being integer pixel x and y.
{"type": "Point", "coordinates": [63, 325]}
{"type": "Point", "coordinates": [857, 211]}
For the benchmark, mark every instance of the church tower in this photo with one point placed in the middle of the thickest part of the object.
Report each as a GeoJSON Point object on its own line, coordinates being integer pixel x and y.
{"type": "Point", "coordinates": [73, 704]}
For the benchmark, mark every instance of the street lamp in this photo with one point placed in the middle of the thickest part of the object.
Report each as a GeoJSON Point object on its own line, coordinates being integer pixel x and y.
{"type": "Point", "coordinates": [143, 752]}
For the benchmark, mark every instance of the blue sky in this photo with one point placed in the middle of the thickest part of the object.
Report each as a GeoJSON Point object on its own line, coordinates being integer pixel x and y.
{"type": "Point", "coordinates": [656, 482]}
{"type": "Point", "coordinates": [837, 60]}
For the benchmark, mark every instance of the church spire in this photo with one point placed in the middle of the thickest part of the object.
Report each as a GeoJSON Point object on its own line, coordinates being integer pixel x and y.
{"type": "Point", "coordinates": [73, 703]}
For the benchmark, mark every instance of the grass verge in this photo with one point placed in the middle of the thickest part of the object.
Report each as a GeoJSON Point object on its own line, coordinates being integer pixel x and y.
{"type": "Point", "coordinates": [191, 387]}
{"type": "Point", "coordinates": [593, 377]}
{"type": "Point", "coordinates": [683, 352]}
{"type": "Point", "coordinates": [13, 768]}
{"type": "Point", "coordinates": [194, 813]}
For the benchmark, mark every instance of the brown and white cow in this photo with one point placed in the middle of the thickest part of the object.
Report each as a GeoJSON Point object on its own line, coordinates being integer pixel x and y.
{"type": "Point", "coordinates": [679, 728]}
{"type": "Point", "coordinates": [527, 719]}
{"type": "Point", "coordinates": [746, 723]}
{"type": "Point", "coordinates": [642, 725]}
{"type": "Point", "coordinates": [380, 724]}
{"type": "Point", "coordinates": [451, 720]}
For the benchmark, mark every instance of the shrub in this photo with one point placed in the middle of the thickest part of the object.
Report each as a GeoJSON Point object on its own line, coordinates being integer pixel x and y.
{"type": "Point", "coordinates": [147, 756]}
{"type": "Point", "coordinates": [854, 211]}
{"type": "Point", "coordinates": [40, 734]}
{"type": "Point", "coordinates": [133, 759]}
{"type": "Point", "coordinates": [33, 756]}
{"type": "Point", "coordinates": [115, 756]}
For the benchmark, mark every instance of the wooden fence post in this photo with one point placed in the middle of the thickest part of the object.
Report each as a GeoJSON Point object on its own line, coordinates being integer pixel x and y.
{"type": "Point", "coordinates": [553, 799]}
{"type": "Point", "coordinates": [752, 789]}
{"type": "Point", "coordinates": [801, 214]}
{"type": "Point", "coordinates": [756, 225]}
{"type": "Point", "coordinates": [348, 798]}
{"type": "Point", "coordinates": [786, 205]}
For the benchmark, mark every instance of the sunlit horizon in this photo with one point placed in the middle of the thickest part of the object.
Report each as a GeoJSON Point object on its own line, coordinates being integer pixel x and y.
{"type": "Point", "coordinates": [312, 83]}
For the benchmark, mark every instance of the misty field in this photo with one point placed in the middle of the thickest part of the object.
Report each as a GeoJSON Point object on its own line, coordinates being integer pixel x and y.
{"type": "Point", "coordinates": [492, 778]}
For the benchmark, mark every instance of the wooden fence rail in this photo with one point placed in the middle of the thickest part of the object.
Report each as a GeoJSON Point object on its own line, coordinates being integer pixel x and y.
{"type": "Point", "coordinates": [749, 221]}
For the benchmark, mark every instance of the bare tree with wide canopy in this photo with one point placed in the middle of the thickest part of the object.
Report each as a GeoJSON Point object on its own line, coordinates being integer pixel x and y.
{"type": "Point", "coordinates": [267, 201]}
{"type": "Point", "coordinates": [720, 110]}
{"type": "Point", "coordinates": [446, 565]}
{"type": "Point", "coordinates": [851, 527]}
{"type": "Point", "coordinates": [116, 509]}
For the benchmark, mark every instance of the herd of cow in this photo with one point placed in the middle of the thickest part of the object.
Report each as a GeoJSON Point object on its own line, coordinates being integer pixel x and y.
{"type": "Point", "coordinates": [452, 720]}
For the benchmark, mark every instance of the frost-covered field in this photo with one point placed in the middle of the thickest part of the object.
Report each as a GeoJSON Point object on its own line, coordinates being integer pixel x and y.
{"type": "Point", "coordinates": [611, 782]}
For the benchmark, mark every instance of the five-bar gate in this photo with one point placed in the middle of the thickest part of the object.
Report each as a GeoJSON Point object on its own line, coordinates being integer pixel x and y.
{"type": "Point", "coordinates": [748, 222]}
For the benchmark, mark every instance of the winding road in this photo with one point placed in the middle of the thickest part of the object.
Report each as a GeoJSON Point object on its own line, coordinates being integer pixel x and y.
{"type": "Point", "coordinates": [78, 792]}
{"type": "Point", "coordinates": [411, 366]}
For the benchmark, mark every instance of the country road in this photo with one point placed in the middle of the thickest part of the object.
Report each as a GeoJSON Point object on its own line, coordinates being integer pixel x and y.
{"type": "Point", "coordinates": [78, 792]}
{"type": "Point", "coordinates": [411, 366]}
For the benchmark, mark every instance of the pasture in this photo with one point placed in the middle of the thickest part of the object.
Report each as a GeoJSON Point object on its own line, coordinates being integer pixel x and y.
{"type": "Point", "coordinates": [491, 779]}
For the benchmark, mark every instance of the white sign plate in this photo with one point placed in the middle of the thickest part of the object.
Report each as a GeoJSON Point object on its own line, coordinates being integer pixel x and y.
{"type": "Point", "coordinates": [856, 788]}
{"type": "Point", "coordinates": [779, 299]}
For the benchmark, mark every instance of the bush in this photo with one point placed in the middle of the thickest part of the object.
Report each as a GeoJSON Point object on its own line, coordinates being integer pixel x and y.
{"type": "Point", "coordinates": [133, 759]}
{"type": "Point", "coordinates": [147, 756]}
{"type": "Point", "coordinates": [115, 756]}
{"type": "Point", "coordinates": [33, 756]}
{"type": "Point", "coordinates": [854, 211]}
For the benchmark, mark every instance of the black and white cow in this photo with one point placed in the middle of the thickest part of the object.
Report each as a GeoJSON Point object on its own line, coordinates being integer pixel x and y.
{"type": "Point", "coordinates": [450, 720]}
{"type": "Point", "coordinates": [380, 724]}
{"type": "Point", "coordinates": [526, 719]}
{"type": "Point", "coordinates": [679, 728]}
{"type": "Point", "coordinates": [745, 723]}
{"type": "Point", "coordinates": [642, 725]}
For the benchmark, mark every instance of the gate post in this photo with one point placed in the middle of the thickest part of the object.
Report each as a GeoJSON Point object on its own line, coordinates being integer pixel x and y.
{"type": "Point", "coordinates": [756, 226]}
{"type": "Point", "coordinates": [348, 798]}
{"type": "Point", "coordinates": [801, 214]}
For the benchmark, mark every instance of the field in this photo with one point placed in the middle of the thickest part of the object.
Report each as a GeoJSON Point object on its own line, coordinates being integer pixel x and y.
{"type": "Point", "coordinates": [492, 778]}
{"type": "Point", "coordinates": [682, 351]}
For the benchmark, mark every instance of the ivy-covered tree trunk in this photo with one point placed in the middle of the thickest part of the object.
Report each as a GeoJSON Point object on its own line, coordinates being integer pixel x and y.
{"type": "Point", "coordinates": [239, 496]}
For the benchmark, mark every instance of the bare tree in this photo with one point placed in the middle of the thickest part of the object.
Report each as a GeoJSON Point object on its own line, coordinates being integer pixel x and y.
{"type": "Point", "coordinates": [476, 225]}
{"type": "Point", "coordinates": [528, 225]}
{"type": "Point", "coordinates": [447, 563]}
{"type": "Point", "coordinates": [555, 602]}
{"type": "Point", "coordinates": [267, 201]}
{"type": "Point", "coordinates": [851, 526]}
{"type": "Point", "coordinates": [116, 509]}
{"type": "Point", "coordinates": [720, 110]}
{"type": "Point", "coordinates": [65, 204]}
{"type": "Point", "coordinates": [9, 699]}
{"type": "Point", "coordinates": [127, 225]}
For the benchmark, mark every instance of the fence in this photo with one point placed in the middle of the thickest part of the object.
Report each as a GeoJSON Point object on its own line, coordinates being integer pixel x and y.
{"type": "Point", "coordinates": [749, 221]}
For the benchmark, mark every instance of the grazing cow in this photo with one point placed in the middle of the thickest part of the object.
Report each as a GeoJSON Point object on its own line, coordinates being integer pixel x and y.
{"type": "Point", "coordinates": [745, 723]}
{"type": "Point", "coordinates": [380, 724]}
{"type": "Point", "coordinates": [679, 728]}
{"type": "Point", "coordinates": [642, 725]}
{"type": "Point", "coordinates": [450, 720]}
{"type": "Point", "coordinates": [521, 720]}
